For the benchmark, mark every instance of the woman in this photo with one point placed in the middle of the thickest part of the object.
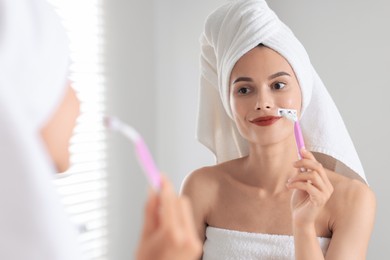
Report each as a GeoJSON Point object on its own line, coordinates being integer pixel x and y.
{"type": "Point", "coordinates": [260, 201]}
{"type": "Point", "coordinates": [38, 111]}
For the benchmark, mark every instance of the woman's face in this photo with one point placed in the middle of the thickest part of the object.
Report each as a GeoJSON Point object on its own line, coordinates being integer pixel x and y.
{"type": "Point", "coordinates": [261, 82]}
{"type": "Point", "coordinates": [58, 130]}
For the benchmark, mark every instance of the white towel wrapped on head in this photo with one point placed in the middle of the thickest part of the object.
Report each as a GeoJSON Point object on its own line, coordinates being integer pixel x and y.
{"type": "Point", "coordinates": [34, 61]}
{"type": "Point", "coordinates": [231, 31]}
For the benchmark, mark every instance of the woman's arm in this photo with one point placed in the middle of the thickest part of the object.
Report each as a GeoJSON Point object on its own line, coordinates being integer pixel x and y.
{"type": "Point", "coordinates": [353, 224]}
{"type": "Point", "coordinates": [196, 188]}
{"type": "Point", "coordinates": [352, 213]}
{"type": "Point", "coordinates": [312, 190]}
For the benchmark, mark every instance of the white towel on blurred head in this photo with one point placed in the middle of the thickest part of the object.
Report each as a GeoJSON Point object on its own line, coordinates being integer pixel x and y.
{"type": "Point", "coordinates": [231, 31]}
{"type": "Point", "coordinates": [33, 79]}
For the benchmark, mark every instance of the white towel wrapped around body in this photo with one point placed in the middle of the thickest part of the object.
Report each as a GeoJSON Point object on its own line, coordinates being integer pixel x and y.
{"type": "Point", "coordinates": [232, 245]}
{"type": "Point", "coordinates": [230, 32]}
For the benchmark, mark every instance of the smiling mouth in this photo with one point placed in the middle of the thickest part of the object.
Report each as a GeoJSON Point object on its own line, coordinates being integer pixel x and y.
{"type": "Point", "coordinates": [265, 121]}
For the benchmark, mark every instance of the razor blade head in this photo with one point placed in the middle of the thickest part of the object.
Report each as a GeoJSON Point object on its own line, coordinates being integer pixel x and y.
{"type": "Point", "coordinates": [111, 122]}
{"type": "Point", "coordinates": [288, 113]}
{"type": "Point", "coordinates": [115, 124]}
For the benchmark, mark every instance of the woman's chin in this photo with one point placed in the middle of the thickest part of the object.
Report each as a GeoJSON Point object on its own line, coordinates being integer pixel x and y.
{"type": "Point", "coordinates": [62, 167]}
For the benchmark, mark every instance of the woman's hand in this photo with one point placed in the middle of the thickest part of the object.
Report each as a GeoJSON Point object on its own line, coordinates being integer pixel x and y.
{"type": "Point", "coordinates": [169, 230]}
{"type": "Point", "coordinates": [312, 190]}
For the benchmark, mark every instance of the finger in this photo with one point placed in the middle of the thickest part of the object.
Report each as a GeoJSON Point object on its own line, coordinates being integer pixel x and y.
{"type": "Point", "coordinates": [308, 164]}
{"type": "Point", "coordinates": [304, 186]}
{"type": "Point", "coordinates": [324, 176]}
{"type": "Point", "coordinates": [170, 212]}
{"type": "Point", "coordinates": [309, 177]}
{"type": "Point", "coordinates": [307, 154]}
{"type": "Point", "coordinates": [315, 167]}
{"type": "Point", "coordinates": [315, 180]}
{"type": "Point", "coordinates": [168, 202]}
{"type": "Point", "coordinates": [317, 197]}
{"type": "Point", "coordinates": [150, 214]}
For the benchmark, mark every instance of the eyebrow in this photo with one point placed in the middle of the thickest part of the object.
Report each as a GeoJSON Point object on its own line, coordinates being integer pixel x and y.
{"type": "Point", "coordinates": [277, 74]}
{"type": "Point", "coordinates": [242, 79]}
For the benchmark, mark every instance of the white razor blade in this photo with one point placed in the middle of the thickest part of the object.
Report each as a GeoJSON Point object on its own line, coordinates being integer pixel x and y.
{"type": "Point", "coordinates": [288, 113]}
{"type": "Point", "coordinates": [115, 124]}
{"type": "Point", "coordinates": [144, 156]}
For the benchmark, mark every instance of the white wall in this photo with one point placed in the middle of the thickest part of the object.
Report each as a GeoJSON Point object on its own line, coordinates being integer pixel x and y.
{"type": "Point", "coordinates": [152, 60]}
{"type": "Point", "coordinates": [179, 25]}
{"type": "Point", "coordinates": [131, 96]}
{"type": "Point", "coordinates": [152, 83]}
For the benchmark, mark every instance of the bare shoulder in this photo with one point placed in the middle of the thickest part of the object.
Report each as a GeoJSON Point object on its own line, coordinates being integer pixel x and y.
{"type": "Point", "coordinates": [351, 209]}
{"type": "Point", "coordinates": [351, 190]}
{"type": "Point", "coordinates": [351, 198]}
{"type": "Point", "coordinates": [201, 188]}
{"type": "Point", "coordinates": [203, 182]}
{"type": "Point", "coordinates": [208, 178]}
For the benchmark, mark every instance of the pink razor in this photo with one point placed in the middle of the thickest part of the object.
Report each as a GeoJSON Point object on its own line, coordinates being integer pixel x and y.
{"type": "Point", "coordinates": [292, 115]}
{"type": "Point", "coordinates": [144, 157]}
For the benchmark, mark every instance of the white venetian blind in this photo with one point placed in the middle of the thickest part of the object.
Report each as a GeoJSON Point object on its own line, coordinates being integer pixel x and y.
{"type": "Point", "coordinates": [84, 186]}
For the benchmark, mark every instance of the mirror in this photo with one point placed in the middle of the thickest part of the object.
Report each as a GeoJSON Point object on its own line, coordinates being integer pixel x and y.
{"type": "Point", "coordinates": [152, 71]}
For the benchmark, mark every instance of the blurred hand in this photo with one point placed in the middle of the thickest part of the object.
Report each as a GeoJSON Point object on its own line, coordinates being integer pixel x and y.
{"type": "Point", "coordinates": [169, 230]}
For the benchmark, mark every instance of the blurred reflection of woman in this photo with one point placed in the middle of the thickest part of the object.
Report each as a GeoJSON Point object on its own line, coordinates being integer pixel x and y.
{"type": "Point", "coordinates": [38, 111]}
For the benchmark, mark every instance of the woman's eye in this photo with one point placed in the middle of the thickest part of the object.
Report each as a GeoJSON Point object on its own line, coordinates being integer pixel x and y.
{"type": "Point", "coordinates": [243, 91]}
{"type": "Point", "coordinates": [279, 85]}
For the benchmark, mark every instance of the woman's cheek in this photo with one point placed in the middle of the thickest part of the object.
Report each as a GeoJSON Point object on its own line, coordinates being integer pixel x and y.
{"type": "Point", "coordinates": [292, 102]}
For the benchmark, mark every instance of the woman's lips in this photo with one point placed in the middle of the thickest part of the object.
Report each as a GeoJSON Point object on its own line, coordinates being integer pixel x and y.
{"type": "Point", "coordinates": [265, 120]}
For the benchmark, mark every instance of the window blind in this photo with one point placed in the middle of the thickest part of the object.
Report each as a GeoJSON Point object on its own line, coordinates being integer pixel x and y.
{"type": "Point", "coordinates": [84, 186]}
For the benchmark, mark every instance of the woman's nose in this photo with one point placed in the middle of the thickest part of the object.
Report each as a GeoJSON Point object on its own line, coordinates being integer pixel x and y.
{"type": "Point", "coordinates": [263, 102]}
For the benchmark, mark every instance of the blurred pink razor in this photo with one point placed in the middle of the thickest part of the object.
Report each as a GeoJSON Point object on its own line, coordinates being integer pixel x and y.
{"type": "Point", "coordinates": [144, 156]}
{"type": "Point", "coordinates": [292, 115]}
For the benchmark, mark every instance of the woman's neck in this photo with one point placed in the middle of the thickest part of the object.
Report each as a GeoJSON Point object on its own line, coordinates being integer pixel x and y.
{"type": "Point", "coordinates": [269, 167]}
